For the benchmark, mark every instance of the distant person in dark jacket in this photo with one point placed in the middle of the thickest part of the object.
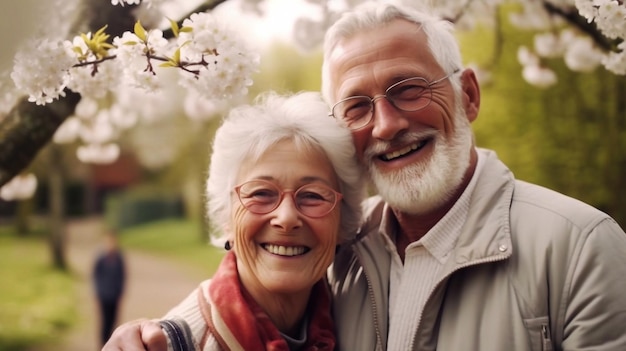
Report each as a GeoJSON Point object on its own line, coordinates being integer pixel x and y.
{"type": "Point", "coordinates": [109, 275]}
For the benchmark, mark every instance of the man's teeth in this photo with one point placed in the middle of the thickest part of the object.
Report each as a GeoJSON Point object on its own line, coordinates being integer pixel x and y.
{"type": "Point", "coordinates": [285, 250]}
{"type": "Point", "coordinates": [401, 152]}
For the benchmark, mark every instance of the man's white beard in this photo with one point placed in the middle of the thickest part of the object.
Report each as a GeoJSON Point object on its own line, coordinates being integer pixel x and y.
{"type": "Point", "coordinates": [423, 187]}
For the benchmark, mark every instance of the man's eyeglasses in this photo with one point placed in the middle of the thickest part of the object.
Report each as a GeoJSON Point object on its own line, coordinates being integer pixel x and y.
{"type": "Point", "coordinates": [312, 200]}
{"type": "Point", "coordinates": [407, 95]}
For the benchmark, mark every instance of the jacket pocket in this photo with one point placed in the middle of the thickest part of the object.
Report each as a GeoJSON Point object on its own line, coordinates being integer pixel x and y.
{"type": "Point", "coordinates": [539, 333]}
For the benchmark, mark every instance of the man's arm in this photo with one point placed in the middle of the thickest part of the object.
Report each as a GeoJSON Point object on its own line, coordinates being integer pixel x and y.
{"type": "Point", "coordinates": [137, 335]}
{"type": "Point", "coordinates": [596, 311]}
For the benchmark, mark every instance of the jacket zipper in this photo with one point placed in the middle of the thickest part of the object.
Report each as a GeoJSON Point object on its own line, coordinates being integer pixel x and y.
{"type": "Point", "coordinates": [546, 342]}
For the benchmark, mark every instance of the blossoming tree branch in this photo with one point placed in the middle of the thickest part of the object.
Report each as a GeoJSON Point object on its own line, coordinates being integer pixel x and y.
{"type": "Point", "coordinates": [100, 78]}
{"type": "Point", "coordinates": [83, 89]}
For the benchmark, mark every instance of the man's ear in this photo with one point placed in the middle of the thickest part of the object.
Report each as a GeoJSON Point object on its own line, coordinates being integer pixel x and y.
{"type": "Point", "coordinates": [470, 94]}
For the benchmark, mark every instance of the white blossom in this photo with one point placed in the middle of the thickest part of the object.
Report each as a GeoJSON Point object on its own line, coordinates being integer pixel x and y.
{"type": "Point", "coordinates": [86, 108]}
{"type": "Point", "coordinates": [137, 69]}
{"type": "Point", "coordinates": [98, 130]}
{"type": "Point", "coordinates": [611, 19]}
{"type": "Point", "coordinates": [148, 3]}
{"type": "Point", "coordinates": [526, 57]}
{"type": "Point", "coordinates": [213, 61]}
{"type": "Point", "coordinates": [122, 118]}
{"type": "Point", "coordinates": [122, 2]}
{"type": "Point", "coordinates": [228, 62]}
{"type": "Point", "coordinates": [586, 9]}
{"type": "Point", "coordinates": [21, 187]}
{"type": "Point", "coordinates": [40, 70]}
{"type": "Point", "coordinates": [68, 131]}
{"type": "Point", "coordinates": [582, 56]}
{"type": "Point", "coordinates": [98, 154]}
{"type": "Point", "coordinates": [96, 84]}
{"type": "Point", "coordinates": [616, 61]}
{"type": "Point", "coordinates": [548, 45]}
{"type": "Point", "coordinates": [539, 76]}
{"type": "Point", "coordinates": [128, 47]}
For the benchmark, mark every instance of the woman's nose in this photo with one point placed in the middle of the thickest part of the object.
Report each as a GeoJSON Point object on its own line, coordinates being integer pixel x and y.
{"type": "Point", "coordinates": [286, 215]}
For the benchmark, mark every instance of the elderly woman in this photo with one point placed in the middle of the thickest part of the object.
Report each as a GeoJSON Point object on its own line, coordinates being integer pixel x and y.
{"type": "Point", "coordinates": [284, 190]}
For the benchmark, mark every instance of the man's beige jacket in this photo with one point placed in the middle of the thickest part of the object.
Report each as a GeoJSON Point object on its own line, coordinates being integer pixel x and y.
{"type": "Point", "coordinates": [531, 270]}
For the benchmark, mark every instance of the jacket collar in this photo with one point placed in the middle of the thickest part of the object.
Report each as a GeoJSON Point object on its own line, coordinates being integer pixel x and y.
{"type": "Point", "coordinates": [486, 235]}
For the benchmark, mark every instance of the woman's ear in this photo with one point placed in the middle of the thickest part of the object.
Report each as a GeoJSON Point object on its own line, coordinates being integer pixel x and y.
{"type": "Point", "coordinates": [470, 94]}
{"type": "Point", "coordinates": [229, 238]}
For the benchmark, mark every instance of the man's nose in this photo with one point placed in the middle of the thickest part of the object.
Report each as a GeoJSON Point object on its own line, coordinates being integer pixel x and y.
{"type": "Point", "coordinates": [388, 120]}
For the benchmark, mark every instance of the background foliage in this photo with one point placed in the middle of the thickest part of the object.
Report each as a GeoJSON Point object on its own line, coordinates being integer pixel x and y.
{"type": "Point", "coordinates": [570, 137]}
{"type": "Point", "coordinates": [37, 303]}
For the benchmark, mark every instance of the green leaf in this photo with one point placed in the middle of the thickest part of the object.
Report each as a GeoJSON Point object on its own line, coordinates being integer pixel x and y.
{"type": "Point", "coordinates": [101, 30]}
{"type": "Point", "coordinates": [168, 64]}
{"type": "Point", "coordinates": [175, 28]}
{"type": "Point", "coordinates": [176, 57]}
{"type": "Point", "coordinates": [140, 32]}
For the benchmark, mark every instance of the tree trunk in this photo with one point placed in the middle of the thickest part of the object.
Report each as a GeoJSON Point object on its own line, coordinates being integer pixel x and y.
{"type": "Point", "coordinates": [22, 217]}
{"type": "Point", "coordinates": [27, 129]}
{"type": "Point", "coordinates": [56, 186]}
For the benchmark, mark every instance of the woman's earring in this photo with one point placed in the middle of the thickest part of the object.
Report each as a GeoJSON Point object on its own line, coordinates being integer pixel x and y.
{"type": "Point", "coordinates": [227, 246]}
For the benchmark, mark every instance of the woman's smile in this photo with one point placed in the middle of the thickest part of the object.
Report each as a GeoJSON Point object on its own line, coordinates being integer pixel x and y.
{"type": "Point", "coordinates": [282, 250]}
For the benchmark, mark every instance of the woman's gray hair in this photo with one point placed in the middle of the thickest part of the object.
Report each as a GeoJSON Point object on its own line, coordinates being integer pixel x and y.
{"type": "Point", "coordinates": [442, 43]}
{"type": "Point", "coordinates": [250, 130]}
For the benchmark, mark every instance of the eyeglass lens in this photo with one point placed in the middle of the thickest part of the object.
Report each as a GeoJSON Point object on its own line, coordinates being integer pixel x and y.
{"type": "Point", "coordinates": [312, 200]}
{"type": "Point", "coordinates": [409, 95]}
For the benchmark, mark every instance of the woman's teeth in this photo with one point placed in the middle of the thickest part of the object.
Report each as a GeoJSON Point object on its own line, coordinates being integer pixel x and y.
{"type": "Point", "coordinates": [285, 250]}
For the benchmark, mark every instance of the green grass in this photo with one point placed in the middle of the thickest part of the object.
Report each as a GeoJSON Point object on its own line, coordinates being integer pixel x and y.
{"type": "Point", "coordinates": [37, 302]}
{"type": "Point", "coordinates": [179, 239]}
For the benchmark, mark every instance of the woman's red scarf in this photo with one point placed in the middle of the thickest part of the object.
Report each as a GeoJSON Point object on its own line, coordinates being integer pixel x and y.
{"type": "Point", "coordinates": [250, 326]}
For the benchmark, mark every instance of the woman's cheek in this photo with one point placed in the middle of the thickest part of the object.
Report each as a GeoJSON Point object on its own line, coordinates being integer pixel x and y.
{"type": "Point", "coordinates": [245, 225]}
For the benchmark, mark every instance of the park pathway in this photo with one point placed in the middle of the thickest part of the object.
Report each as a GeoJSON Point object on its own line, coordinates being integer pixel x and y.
{"type": "Point", "coordinates": [154, 284]}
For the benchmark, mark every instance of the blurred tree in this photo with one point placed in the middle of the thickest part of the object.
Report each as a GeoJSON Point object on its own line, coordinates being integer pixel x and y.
{"type": "Point", "coordinates": [56, 182]}
{"type": "Point", "coordinates": [570, 137]}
